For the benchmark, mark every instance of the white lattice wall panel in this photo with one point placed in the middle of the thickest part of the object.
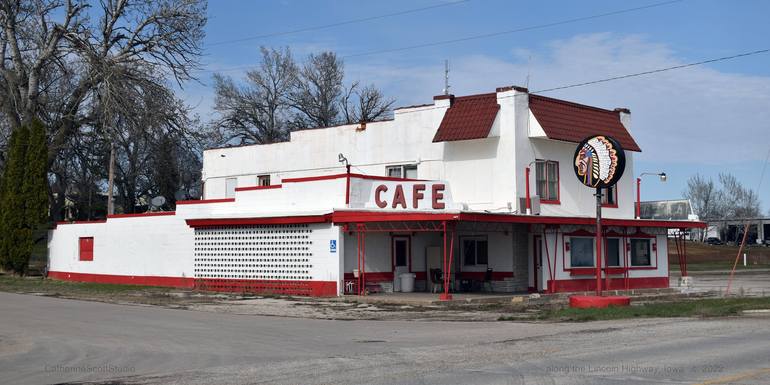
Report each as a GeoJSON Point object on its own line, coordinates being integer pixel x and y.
{"type": "Point", "coordinates": [262, 252]}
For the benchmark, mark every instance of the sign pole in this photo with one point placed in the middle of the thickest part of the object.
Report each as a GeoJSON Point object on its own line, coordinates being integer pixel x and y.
{"type": "Point", "coordinates": [598, 241]}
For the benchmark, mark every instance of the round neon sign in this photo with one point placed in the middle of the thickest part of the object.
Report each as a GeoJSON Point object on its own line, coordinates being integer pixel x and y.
{"type": "Point", "coordinates": [599, 161]}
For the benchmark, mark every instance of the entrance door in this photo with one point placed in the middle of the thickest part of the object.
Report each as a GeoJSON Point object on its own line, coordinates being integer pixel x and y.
{"type": "Point", "coordinates": [401, 252]}
{"type": "Point", "coordinates": [537, 258]}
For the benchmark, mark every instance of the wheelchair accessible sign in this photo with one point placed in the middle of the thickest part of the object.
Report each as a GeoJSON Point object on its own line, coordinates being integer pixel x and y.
{"type": "Point", "coordinates": [333, 246]}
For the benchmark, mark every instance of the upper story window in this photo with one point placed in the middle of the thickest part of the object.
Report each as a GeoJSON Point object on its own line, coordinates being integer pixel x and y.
{"type": "Point", "coordinates": [263, 180]}
{"type": "Point", "coordinates": [610, 196]}
{"type": "Point", "coordinates": [408, 171]}
{"type": "Point", "coordinates": [230, 185]}
{"type": "Point", "coordinates": [547, 180]}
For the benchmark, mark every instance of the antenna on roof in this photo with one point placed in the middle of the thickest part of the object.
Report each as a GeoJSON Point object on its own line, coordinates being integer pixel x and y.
{"type": "Point", "coordinates": [446, 77]}
{"type": "Point", "coordinates": [529, 69]}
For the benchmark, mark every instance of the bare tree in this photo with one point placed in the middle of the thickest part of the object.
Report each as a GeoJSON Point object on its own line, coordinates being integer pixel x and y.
{"type": "Point", "coordinates": [740, 202]}
{"type": "Point", "coordinates": [258, 112]}
{"type": "Point", "coordinates": [318, 89]}
{"type": "Point", "coordinates": [60, 55]}
{"type": "Point", "coordinates": [280, 96]}
{"type": "Point", "coordinates": [368, 104]}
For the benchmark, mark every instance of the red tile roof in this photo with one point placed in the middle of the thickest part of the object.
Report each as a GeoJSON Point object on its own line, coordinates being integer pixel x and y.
{"type": "Point", "coordinates": [572, 122]}
{"type": "Point", "coordinates": [469, 117]}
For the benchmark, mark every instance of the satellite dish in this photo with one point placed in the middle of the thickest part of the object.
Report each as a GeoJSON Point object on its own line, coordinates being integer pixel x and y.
{"type": "Point", "coordinates": [158, 201]}
{"type": "Point", "coordinates": [180, 195]}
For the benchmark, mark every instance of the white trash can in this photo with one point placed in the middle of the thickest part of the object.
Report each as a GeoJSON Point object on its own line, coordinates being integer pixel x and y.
{"type": "Point", "coordinates": [407, 282]}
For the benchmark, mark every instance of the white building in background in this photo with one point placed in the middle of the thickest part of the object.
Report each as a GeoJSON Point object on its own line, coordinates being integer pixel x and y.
{"type": "Point", "coordinates": [438, 192]}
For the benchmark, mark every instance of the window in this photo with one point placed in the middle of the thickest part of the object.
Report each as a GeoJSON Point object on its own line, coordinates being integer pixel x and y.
{"type": "Point", "coordinates": [612, 253]}
{"type": "Point", "coordinates": [263, 180]}
{"type": "Point", "coordinates": [230, 184]}
{"type": "Point", "coordinates": [475, 251]}
{"type": "Point", "coordinates": [610, 196]}
{"type": "Point", "coordinates": [641, 252]}
{"type": "Point", "coordinates": [547, 181]}
{"type": "Point", "coordinates": [581, 252]}
{"type": "Point", "coordinates": [86, 248]}
{"type": "Point", "coordinates": [408, 171]}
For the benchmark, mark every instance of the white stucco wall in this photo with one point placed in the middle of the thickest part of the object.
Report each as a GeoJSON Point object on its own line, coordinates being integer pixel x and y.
{"type": "Point", "coordinates": [485, 174]}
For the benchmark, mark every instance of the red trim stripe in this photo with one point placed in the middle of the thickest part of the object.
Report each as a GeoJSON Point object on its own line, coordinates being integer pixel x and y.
{"type": "Point", "coordinates": [204, 201]}
{"type": "Point", "coordinates": [576, 285]}
{"type": "Point", "coordinates": [95, 221]}
{"type": "Point", "coordinates": [307, 288]}
{"type": "Point", "coordinates": [338, 176]}
{"type": "Point", "coordinates": [345, 216]}
{"type": "Point", "coordinates": [124, 279]}
{"type": "Point", "coordinates": [259, 221]}
{"type": "Point", "coordinates": [250, 188]}
{"type": "Point", "coordinates": [154, 214]}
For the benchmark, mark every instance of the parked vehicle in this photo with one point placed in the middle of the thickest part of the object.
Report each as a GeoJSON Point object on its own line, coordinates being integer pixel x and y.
{"type": "Point", "coordinates": [714, 241]}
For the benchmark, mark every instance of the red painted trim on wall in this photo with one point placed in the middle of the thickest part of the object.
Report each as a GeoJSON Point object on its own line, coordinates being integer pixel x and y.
{"type": "Point", "coordinates": [123, 279]}
{"type": "Point", "coordinates": [374, 276]}
{"type": "Point", "coordinates": [151, 214]}
{"type": "Point", "coordinates": [353, 175]}
{"type": "Point", "coordinates": [479, 275]}
{"type": "Point", "coordinates": [305, 288]}
{"type": "Point", "coordinates": [82, 222]}
{"type": "Point", "coordinates": [348, 216]}
{"type": "Point", "coordinates": [205, 201]}
{"type": "Point", "coordinates": [589, 284]}
{"type": "Point", "coordinates": [251, 188]}
{"type": "Point", "coordinates": [259, 221]}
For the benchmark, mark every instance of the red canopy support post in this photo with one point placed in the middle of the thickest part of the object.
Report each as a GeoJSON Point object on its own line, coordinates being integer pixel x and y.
{"type": "Point", "coordinates": [358, 260]}
{"type": "Point", "coordinates": [363, 258]}
{"type": "Point", "coordinates": [684, 255]}
{"type": "Point", "coordinates": [445, 296]}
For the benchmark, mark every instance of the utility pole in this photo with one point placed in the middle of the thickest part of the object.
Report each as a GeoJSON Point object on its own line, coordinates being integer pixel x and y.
{"type": "Point", "coordinates": [111, 183]}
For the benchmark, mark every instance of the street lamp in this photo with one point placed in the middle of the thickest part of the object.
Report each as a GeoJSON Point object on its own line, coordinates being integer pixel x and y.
{"type": "Point", "coordinates": [661, 175]}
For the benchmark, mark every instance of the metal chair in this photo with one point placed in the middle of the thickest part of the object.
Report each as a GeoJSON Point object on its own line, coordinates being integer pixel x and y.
{"type": "Point", "coordinates": [436, 280]}
{"type": "Point", "coordinates": [487, 279]}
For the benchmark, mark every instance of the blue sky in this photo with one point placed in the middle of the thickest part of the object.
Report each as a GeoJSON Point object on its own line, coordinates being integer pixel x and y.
{"type": "Point", "coordinates": [707, 119]}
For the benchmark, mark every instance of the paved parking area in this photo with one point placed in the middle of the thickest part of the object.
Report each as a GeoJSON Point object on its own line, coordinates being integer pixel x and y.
{"type": "Point", "coordinates": [51, 340]}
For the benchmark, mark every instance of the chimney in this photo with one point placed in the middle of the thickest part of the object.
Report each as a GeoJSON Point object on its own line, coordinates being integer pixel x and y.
{"type": "Point", "coordinates": [443, 100]}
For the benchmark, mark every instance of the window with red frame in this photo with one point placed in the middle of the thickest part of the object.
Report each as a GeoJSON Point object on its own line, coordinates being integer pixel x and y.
{"type": "Point", "coordinates": [610, 196]}
{"type": "Point", "coordinates": [547, 180]}
{"type": "Point", "coordinates": [86, 248]}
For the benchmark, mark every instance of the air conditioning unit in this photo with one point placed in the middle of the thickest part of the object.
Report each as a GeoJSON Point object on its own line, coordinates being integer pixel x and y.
{"type": "Point", "coordinates": [534, 205]}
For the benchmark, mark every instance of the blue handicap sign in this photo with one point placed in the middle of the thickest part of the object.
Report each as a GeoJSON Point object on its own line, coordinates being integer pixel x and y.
{"type": "Point", "coordinates": [333, 246]}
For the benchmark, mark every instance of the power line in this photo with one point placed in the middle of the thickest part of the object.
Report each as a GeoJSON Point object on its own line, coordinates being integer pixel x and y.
{"type": "Point", "coordinates": [338, 24]}
{"type": "Point", "coordinates": [523, 29]}
{"type": "Point", "coordinates": [657, 70]}
{"type": "Point", "coordinates": [482, 36]}
{"type": "Point", "coordinates": [626, 76]}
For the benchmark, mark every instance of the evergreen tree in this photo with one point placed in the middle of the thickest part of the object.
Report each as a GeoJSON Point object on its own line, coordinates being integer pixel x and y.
{"type": "Point", "coordinates": [15, 245]}
{"type": "Point", "coordinates": [35, 185]}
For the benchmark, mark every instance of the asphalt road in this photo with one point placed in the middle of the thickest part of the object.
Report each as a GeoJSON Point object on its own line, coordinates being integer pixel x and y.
{"type": "Point", "coordinates": [50, 340]}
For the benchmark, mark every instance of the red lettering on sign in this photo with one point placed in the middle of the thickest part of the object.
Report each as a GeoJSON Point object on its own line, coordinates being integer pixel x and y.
{"type": "Point", "coordinates": [398, 197]}
{"type": "Point", "coordinates": [417, 195]}
{"type": "Point", "coordinates": [380, 189]}
{"type": "Point", "coordinates": [438, 196]}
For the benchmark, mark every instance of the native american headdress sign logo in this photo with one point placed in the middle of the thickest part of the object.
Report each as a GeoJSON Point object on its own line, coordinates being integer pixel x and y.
{"type": "Point", "coordinates": [599, 161]}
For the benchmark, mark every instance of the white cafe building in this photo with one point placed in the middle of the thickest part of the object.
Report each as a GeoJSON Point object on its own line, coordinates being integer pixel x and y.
{"type": "Point", "coordinates": [438, 195]}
